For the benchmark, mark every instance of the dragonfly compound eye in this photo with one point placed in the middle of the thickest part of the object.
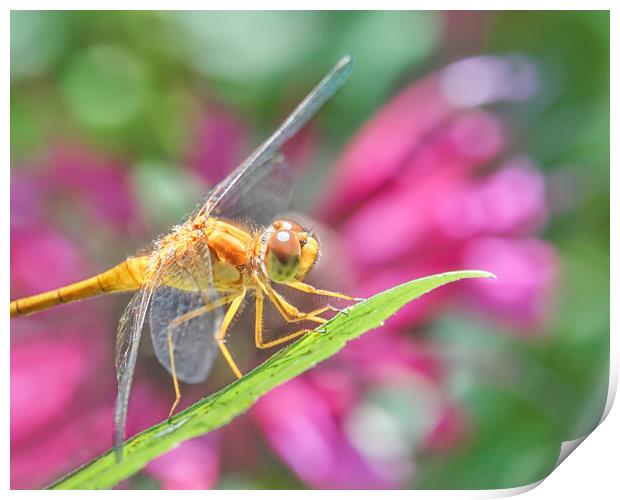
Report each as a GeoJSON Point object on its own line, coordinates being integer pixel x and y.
{"type": "Point", "coordinates": [283, 255]}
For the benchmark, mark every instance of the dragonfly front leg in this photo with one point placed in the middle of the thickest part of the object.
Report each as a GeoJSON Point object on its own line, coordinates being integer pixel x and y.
{"type": "Point", "coordinates": [306, 288]}
{"type": "Point", "coordinates": [289, 312]}
{"type": "Point", "coordinates": [258, 331]}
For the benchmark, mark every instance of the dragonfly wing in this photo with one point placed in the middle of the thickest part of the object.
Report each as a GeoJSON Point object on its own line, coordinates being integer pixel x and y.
{"type": "Point", "coordinates": [182, 313]}
{"type": "Point", "coordinates": [192, 339]}
{"type": "Point", "coordinates": [305, 110]}
{"type": "Point", "coordinates": [267, 153]}
{"type": "Point", "coordinates": [257, 189]}
{"type": "Point", "coordinates": [265, 192]}
{"type": "Point", "coordinates": [127, 342]}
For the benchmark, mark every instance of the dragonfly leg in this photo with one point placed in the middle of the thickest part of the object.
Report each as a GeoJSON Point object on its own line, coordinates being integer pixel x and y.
{"type": "Point", "coordinates": [175, 380]}
{"type": "Point", "coordinates": [258, 331]}
{"type": "Point", "coordinates": [306, 288]}
{"type": "Point", "coordinates": [199, 311]}
{"type": "Point", "coordinates": [178, 321]}
{"type": "Point", "coordinates": [288, 311]}
{"type": "Point", "coordinates": [258, 326]}
{"type": "Point", "coordinates": [219, 338]}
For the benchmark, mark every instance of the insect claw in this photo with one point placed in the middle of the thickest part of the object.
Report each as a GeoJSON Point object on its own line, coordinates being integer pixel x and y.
{"type": "Point", "coordinates": [336, 310]}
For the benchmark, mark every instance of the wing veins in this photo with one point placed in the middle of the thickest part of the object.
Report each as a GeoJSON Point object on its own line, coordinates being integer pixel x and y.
{"type": "Point", "coordinates": [304, 111]}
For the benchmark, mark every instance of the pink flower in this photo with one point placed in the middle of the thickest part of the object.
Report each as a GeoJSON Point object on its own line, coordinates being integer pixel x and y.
{"type": "Point", "coordinates": [318, 423]}
{"type": "Point", "coordinates": [220, 143]}
{"type": "Point", "coordinates": [298, 423]}
{"type": "Point", "coordinates": [527, 268]}
{"type": "Point", "coordinates": [42, 259]}
{"type": "Point", "coordinates": [424, 187]}
{"type": "Point", "coordinates": [414, 192]}
{"type": "Point", "coordinates": [194, 465]}
{"type": "Point", "coordinates": [57, 403]}
{"type": "Point", "coordinates": [61, 405]}
{"type": "Point", "coordinates": [217, 145]}
{"type": "Point", "coordinates": [100, 181]}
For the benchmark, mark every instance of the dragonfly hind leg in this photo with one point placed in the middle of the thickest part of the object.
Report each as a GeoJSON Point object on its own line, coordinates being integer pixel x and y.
{"type": "Point", "coordinates": [170, 333]}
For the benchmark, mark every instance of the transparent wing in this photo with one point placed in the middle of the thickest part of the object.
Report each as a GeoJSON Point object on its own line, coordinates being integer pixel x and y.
{"type": "Point", "coordinates": [182, 314]}
{"type": "Point", "coordinates": [264, 192]}
{"type": "Point", "coordinates": [192, 339]}
{"type": "Point", "coordinates": [227, 195]}
{"type": "Point", "coordinates": [127, 342]}
{"type": "Point", "coordinates": [256, 190]}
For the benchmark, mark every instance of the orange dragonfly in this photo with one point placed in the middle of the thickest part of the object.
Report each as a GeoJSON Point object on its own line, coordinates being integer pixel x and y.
{"type": "Point", "coordinates": [231, 246]}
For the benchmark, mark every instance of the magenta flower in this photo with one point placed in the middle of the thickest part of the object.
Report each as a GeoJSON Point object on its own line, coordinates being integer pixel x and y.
{"type": "Point", "coordinates": [58, 405]}
{"type": "Point", "coordinates": [424, 187]}
{"type": "Point", "coordinates": [194, 465]}
{"type": "Point", "coordinates": [414, 194]}
{"type": "Point", "coordinates": [34, 247]}
{"type": "Point", "coordinates": [61, 406]}
{"type": "Point", "coordinates": [217, 145]}
{"type": "Point", "coordinates": [101, 182]}
{"type": "Point", "coordinates": [319, 423]}
{"type": "Point", "coordinates": [527, 267]}
{"type": "Point", "coordinates": [299, 425]}
{"type": "Point", "coordinates": [58, 402]}
{"type": "Point", "coordinates": [220, 141]}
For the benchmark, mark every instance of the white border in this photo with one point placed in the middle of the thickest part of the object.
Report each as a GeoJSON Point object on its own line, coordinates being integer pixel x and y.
{"type": "Point", "coordinates": [592, 470]}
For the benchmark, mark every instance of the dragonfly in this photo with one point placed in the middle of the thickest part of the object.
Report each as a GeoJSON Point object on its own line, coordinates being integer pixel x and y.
{"type": "Point", "coordinates": [193, 281]}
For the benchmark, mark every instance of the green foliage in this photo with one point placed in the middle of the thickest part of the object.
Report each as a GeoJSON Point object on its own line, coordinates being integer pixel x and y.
{"type": "Point", "coordinates": [516, 445]}
{"type": "Point", "coordinates": [220, 408]}
{"type": "Point", "coordinates": [516, 402]}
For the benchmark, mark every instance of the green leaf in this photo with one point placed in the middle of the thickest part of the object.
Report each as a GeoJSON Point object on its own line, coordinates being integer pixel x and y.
{"type": "Point", "coordinates": [220, 408]}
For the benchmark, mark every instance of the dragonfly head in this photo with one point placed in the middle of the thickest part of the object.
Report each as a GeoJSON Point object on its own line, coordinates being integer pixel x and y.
{"type": "Point", "coordinates": [290, 251]}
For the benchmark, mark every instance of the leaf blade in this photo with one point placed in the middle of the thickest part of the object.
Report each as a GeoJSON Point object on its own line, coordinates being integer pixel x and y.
{"type": "Point", "coordinates": [221, 407]}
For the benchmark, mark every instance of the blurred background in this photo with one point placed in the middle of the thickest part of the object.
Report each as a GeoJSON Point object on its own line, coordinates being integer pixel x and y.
{"type": "Point", "coordinates": [462, 140]}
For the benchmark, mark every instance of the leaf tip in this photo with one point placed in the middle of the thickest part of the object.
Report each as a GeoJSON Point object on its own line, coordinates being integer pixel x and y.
{"type": "Point", "coordinates": [479, 273]}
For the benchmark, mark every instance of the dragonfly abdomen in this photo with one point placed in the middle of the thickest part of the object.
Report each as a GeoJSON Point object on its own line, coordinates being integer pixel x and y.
{"type": "Point", "coordinates": [127, 276]}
